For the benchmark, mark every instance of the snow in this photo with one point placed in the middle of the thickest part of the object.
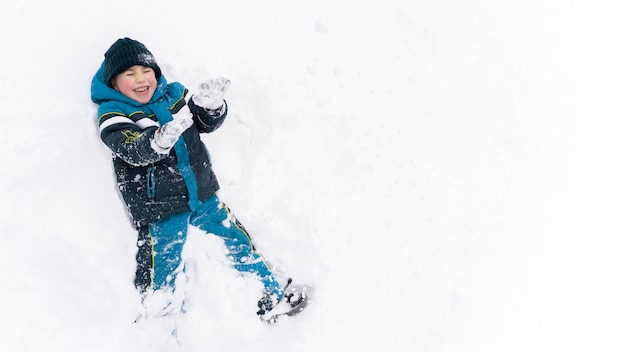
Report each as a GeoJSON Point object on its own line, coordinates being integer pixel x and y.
{"type": "Point", "coordinates": [448, 176]}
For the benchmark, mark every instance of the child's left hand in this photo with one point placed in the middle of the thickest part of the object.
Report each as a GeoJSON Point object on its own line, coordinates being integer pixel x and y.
{"type": "Point", "coordinates": [211, 93]}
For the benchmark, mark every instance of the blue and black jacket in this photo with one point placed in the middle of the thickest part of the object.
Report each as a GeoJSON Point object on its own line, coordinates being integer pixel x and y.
{"type": "Point", "coordinates": [155, 185]}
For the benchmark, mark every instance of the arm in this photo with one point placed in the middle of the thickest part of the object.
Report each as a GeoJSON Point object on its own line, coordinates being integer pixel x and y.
{"type": "Point", "coordinates": [208, 120]}
{"type": "Point", "coordinates": [128, 140]}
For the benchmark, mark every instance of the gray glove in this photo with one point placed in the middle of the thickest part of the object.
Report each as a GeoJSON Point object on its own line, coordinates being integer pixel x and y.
{"type": "Point", "coordinates": [166, 136]}
{"type": "Point", "coordinates": [211, 93]}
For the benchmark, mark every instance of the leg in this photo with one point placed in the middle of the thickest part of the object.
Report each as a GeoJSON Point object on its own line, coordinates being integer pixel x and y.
{"type": "Point", "coordinates": [215, 217]}
{"type": "Point", "coordinates": [167, 238]}
{"type": "Point", "coordinates": [164, 241]}
{"type": "Point", "coordinates": [158, 264]}
{"type": "Point", "coordinates": [143, 275]}
{"type": "Point", "coordinates": [158, 252]}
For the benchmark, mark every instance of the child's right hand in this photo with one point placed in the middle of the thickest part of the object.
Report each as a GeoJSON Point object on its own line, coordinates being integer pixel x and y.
{"type": "Point", "coordinates": [166, 136]}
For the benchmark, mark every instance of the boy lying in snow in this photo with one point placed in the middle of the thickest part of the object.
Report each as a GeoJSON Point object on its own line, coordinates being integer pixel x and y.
{"type": "Point", "coordinates": [165, 177]}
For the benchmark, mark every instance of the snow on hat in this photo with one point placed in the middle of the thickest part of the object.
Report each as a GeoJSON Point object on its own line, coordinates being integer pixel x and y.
{"type": "Point", "coordinates": [125, 53]}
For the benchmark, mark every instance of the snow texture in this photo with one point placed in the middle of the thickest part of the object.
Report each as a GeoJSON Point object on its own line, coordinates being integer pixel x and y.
{"type": "Point", "coordinates": [448, 175]}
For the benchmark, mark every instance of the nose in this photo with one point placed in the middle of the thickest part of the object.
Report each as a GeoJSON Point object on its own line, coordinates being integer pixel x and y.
{"type": "Point", "coordinates": [140, 77]}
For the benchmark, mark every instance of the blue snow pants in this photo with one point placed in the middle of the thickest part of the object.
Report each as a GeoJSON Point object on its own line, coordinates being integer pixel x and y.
{"type": "Point", "coordinates": [159, 258]}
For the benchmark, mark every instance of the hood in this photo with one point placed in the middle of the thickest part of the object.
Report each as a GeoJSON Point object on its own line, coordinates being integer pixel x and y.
{"type": "Point", "coordinates": [101, 92]}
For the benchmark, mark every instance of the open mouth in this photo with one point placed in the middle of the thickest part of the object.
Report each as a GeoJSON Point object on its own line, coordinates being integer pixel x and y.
{"type": "Point", "coordinates": [141, 90]}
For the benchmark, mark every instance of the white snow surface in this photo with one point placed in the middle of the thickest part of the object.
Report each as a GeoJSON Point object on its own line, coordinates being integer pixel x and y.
{"type": "Point", "coordinates": [448, 175]}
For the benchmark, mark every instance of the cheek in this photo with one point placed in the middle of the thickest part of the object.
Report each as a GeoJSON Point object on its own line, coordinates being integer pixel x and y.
{"type": "Point", "coordinates": [127, 84]}
{"type": "Point", "coordinates": [124, 86]}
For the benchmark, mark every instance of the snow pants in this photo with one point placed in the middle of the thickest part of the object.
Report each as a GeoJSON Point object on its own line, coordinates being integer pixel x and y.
{"type": "Point", "coordinates": [160, 246]}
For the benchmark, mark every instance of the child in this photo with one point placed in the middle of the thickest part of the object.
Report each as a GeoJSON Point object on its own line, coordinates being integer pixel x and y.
{"type": "Point", "coordinates": [165, 177]}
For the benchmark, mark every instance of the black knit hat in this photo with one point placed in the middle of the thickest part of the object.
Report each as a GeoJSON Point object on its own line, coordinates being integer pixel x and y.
{"type": "Point", "coordinates": [125, 53]}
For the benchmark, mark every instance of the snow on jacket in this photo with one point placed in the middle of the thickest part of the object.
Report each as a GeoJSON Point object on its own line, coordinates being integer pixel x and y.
{"type": "Point", "coordinates": [155, 185]}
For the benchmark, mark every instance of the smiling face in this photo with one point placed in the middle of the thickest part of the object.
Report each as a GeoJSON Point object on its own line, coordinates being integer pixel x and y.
{"type": "Point", "coordinates": [137, 83]}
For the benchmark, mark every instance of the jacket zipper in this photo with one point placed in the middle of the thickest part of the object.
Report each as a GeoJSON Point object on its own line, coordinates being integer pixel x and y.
{"type": "Point", "coordinates": [150, 182]}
